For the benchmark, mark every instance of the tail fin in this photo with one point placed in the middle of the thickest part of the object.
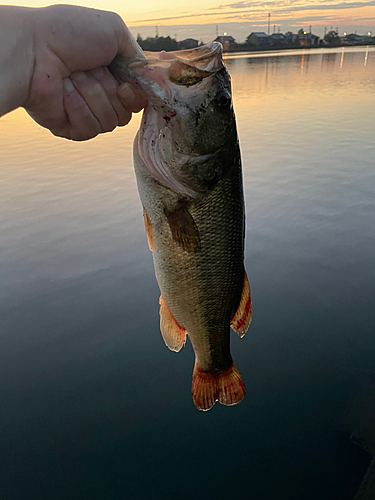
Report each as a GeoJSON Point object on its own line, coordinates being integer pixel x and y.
{"type": "Point", "coordinates": [225, 387]}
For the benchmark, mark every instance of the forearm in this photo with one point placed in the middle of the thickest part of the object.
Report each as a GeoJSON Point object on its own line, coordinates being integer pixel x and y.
{"type": "Point", "coordinates": [16, 56]}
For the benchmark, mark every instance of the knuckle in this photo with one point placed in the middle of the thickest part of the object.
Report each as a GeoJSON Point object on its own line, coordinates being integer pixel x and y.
{"type": "Point", "coordinates": [93, 89]}
{"type": "Point", "coordinates": [111, 86]}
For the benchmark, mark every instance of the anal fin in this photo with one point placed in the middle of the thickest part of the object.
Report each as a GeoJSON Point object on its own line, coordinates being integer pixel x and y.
{"type": "Point", "coordinates": [208, 387]}
{"type": "Point", "coordinates": [150, 238]}
{"type": "Point", "coordinates": [242, 319]}
{"type": "Point", "coordinates": [173, 334]}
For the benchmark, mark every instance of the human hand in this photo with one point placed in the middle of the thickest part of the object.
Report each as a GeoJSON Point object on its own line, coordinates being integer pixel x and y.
{"type": "Point", "coordinates": [72, 93]}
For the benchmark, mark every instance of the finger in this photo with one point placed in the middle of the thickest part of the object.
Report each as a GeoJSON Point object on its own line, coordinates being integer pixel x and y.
{"type": "Point", "coordinates": [96, 99]}
{"type": "Point", "coordinates": [82, 124]}
{"type": "Point", "coordinates": [131, 99]}
{"type": "Point", "coordinates": [110, 85]}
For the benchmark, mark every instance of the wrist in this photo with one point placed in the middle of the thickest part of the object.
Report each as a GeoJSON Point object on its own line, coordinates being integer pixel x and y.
{"type": "Point", "coordinates": [16, 57]}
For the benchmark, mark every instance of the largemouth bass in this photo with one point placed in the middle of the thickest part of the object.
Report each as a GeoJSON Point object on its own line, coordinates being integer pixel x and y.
{"type": "Point", "coordinates": [188, 168]}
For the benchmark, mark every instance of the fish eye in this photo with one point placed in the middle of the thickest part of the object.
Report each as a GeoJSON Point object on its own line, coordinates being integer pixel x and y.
{"type": "Point", "coordinates": [223, 99]}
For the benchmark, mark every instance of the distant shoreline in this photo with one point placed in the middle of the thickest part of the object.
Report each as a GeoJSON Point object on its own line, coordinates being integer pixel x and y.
{"type": "Point", "coordinates": [291, 47]}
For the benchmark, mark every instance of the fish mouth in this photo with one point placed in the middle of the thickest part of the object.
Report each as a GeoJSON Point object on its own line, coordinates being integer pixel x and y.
{"type": "Point", "coordinates": [188, 67]}
{"type": "Point", "coordinates": [160, 75]}
{"type": "Point", "coordinates": [172, 83]}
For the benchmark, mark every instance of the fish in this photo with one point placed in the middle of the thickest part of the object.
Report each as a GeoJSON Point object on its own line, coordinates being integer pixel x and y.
{"type": "Point", "coordinates": [188, 168]}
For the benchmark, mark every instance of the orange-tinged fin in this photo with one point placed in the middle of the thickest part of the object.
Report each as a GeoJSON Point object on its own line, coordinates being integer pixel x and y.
{"type": "Point", "coordinates": [173, 334]}
{"type": "Point", "coordinates": [231, 387]}
{"type": "Point", "coordinates": [225, 387]}
{"type": "Point", "coordinates": [242, 319]}
{"type": "Point", "coordinates": [150, 239]}
{"type": "Point", "coordinates": [184, 229]}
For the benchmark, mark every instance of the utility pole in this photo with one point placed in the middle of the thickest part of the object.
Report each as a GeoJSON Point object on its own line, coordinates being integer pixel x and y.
{"type": "Point", "coordinates": [274, 28]}
{"type": "Point", "coordinates": [310, 29]}
{"type": "Point", "coordinates": [156, 32]}
{"type": "Point", "coordinates": [269, 20]}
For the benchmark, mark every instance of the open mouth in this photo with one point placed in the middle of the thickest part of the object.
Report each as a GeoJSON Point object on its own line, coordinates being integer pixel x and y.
{"type": "Point", "coordinates": [175, 84]}
{"type": "Point", "coordinates": [159, 71]}
{"type": "Point", "coordinates": [185, 67]}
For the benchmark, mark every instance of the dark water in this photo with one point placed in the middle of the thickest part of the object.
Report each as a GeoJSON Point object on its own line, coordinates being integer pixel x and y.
{"type": "Point", "coordinates": [93, 405]}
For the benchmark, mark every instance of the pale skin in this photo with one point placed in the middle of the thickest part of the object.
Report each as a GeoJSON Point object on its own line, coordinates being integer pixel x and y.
{"type": "Point", "coordinates": [53, 63]}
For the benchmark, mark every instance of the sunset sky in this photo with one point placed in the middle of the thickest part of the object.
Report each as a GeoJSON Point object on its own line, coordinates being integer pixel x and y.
{"type": "Point", "coordinates": [186, 17]}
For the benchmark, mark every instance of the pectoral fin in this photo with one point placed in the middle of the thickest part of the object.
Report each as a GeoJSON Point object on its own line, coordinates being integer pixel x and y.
{"type": "Point", "coordinates": [173, 334]}
{"type": "Point", "coordinates": [150, 239]}
{"type": "Point", "coordinates": [183, 229]}
{"type": "Point", "coordinates": [242, 319]}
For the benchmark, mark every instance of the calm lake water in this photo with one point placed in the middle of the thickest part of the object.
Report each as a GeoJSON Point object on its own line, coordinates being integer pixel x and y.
{"type": "Point", "coordinates": [94, 406]}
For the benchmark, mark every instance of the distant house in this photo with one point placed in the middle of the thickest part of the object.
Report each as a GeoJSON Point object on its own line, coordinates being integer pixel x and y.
{"type": "Point", "coordinates": [226, 41]}
{"type": "Point", "coordinates": [188, 43]}
{"type": "Point", "coordinates": [354, 39]}
{"type": "Point", "coordinates": [290, 38]}
{"type": "Point", "coordinates": [278, 39]}
{"type": "Point", "coordinates": [304, 39]}
{"type": "Point", "coordinates": [259, 39]}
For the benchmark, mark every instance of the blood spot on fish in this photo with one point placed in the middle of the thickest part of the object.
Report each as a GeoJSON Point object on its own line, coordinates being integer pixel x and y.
{"type": "Point", "coordinates": [167, 118]}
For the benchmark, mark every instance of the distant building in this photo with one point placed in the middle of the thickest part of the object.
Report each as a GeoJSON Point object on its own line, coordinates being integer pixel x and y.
{"type": "Point", "coordinates": [354, 39]}
{"type": "Point", "coordinates": [226, 41]}
{"type": "Point", "coordinates": [290, 38]}
{"type": "Point", "coordinates": [278, 39]}
{"type": "Point", "coordinates": [304, 39]}
{"type": "Point", "coordinates": [259, 39]}
{"type": "Point", "coordinates": [188, 43]}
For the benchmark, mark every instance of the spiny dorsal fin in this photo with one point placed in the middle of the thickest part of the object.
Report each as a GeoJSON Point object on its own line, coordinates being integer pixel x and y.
{"type": "Point", "coordinates": [183, 229]}
{"type": "Point", "coordinates": [242, 319]}
{"type": "Point", "coordinates": [173, 334]}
